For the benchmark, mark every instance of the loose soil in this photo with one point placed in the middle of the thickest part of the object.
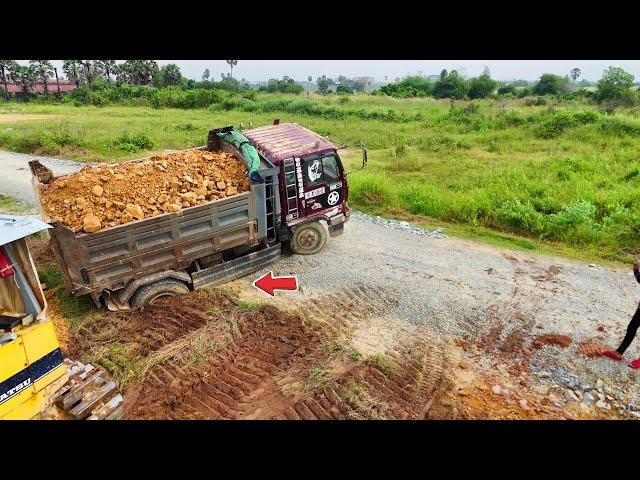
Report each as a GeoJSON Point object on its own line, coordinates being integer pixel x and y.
{"type": "Point", "coordinates": [110, 195]}
{"type": "Point", "coordinates": [551, 339]}
{"type": "Point", "coordinates": [590, 349]}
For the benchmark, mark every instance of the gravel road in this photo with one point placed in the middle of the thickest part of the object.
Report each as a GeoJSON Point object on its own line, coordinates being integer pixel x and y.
{"type": "Point", "coordinates": [456, 288]}
{"type": "Point", "coordinates": [475, 292]}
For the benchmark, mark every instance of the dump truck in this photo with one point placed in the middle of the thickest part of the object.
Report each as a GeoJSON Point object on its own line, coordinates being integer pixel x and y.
{"type": "Point", "coordinates": [298, 197]}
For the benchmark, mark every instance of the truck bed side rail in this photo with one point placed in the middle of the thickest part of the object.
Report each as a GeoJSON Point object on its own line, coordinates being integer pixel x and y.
{"type": "Point", "coordinates": [110, 258]}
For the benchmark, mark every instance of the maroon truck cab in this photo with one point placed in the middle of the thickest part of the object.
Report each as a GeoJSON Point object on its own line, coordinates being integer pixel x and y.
{"type": "Point", "coordinates": [312, 183]}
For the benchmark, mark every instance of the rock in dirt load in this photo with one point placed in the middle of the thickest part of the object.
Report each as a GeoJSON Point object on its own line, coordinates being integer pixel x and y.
{"type": "Point", "coordinates": [109, 195]}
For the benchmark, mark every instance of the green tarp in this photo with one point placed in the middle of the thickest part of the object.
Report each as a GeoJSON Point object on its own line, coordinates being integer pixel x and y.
{"type": "Point", "coordinates": [248, 151]}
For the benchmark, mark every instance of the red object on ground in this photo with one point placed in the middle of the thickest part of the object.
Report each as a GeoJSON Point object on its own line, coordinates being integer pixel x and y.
{"type": "Point", "coordinates": [268, 284]}
{"type": "Point", "coordinates": [635, 363]}
{"type": "Point", "coordinates": [6, 270]}
{"type": "Point", "coordinates": [612, 354]}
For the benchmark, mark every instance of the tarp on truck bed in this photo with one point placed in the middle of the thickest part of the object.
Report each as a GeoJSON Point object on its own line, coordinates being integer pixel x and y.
{"type": "Point", "coordinates": [248, 151]}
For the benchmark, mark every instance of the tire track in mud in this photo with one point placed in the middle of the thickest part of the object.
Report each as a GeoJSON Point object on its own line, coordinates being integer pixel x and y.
{"type": "Point", "coordinates": [264, 372]}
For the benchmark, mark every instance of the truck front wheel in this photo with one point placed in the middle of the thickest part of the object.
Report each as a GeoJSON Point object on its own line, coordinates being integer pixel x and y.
{"type": "Point", "coordinates": [167, 287]}
{"type": "Point", "coordinates": [309, 238]}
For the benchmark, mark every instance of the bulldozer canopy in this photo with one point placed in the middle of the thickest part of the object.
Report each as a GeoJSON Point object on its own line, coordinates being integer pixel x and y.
{"type": "Point", "coordinates": [15, 227]}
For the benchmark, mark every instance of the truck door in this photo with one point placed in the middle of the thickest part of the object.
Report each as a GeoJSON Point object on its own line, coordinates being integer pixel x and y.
{"type": "Point", "coordinates": [323, 186]}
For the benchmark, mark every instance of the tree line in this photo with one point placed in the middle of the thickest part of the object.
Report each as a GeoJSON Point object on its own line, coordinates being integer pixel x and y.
{"type": "Point", "coordinates": [88, 72]}
{"type": "Point", "coordinates": [614, 86]}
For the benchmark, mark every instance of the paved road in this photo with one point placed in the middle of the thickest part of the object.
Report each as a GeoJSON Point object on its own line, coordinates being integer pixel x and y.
{"type": "Point", "coordinates": [15, 180]}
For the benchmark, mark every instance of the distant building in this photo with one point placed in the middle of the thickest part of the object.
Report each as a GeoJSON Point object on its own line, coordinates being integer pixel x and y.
{"type": "Point", "coordinates": [39, 87]}
{"type": "Point", "coordinates": [308, 86]}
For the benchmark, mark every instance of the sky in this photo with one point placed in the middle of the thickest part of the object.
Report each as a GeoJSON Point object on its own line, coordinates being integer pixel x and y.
{"type": "Point", "coordinates": [254, 70]}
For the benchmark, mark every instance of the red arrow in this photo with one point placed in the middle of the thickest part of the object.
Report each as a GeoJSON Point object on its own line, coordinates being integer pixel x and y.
{"type": "Point", "coordinates": [268, 284]}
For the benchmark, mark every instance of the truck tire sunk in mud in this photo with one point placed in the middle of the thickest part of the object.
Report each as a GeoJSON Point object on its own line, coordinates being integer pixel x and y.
{"type": "Point", "coordinates": [167, 287]}
{"type": "Point", "coordinates": [309, 238]}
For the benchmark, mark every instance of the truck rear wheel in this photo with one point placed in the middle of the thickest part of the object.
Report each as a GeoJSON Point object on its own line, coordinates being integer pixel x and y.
{"type": "Point", "coordinates": [167, 287]}
{"type": "Point", "coordinates": [309, 238]}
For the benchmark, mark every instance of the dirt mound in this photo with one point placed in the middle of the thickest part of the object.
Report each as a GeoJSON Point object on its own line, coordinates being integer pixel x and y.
{"type": "Point", "coordinates": [551, 339]}
{"type": "Point", "coordinates": [109, 195]}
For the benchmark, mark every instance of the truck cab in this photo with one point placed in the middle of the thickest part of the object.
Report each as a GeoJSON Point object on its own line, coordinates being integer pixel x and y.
{"type": "Point", "coordinates": [313, 190]}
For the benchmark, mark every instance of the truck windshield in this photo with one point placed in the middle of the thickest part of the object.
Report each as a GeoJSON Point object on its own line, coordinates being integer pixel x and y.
{"type": "Point", "coordinates": [322, 170]}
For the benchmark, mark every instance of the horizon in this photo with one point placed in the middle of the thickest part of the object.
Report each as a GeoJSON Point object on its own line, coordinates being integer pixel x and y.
{"type": "Point", "coordinates": [300, 70]}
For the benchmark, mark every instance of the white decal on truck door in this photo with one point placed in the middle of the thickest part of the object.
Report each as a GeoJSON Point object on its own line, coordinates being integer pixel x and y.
{"type": "Point", "coordinates": [313, 171]}
{"type": "Point", "coordinates": [314, 193]}
{"type": "Point", "coordinates": [333, 198]}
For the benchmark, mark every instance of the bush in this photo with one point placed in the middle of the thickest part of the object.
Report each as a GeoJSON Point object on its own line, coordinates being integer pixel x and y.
{"type": "Point", "coordinates": [414, 86]}
{"type": "Point", "coordinates": [586, 117]}
{"type": "Point", "coordinates": [578, 213]}
{"type": "Point", "coordinates": [441, 142]}
{"type": "Point", "coordinates": [556, 125]}
{"type": "Point", "coordinates": [550, 84]}
{"type": "Point", "coordinates": [620, 127]}
{"type": "Point", "coordinates": [508, 118]}
{"type": "Point", "coordinates": [520, 217]}
{"type": "Point", "coordinates": [132, 143]}
{"type": "Point", "coordinates": [370, 190]}
{"type": "Point", "coordinates": [507, 90]}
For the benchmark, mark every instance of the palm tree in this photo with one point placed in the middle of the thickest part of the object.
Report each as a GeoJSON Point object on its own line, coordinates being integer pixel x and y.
{"type": "Point", "coordinates": [138, 72]}
{"type": "Point", "coordinates": [232, 63]}
{"type": "Point", "coordinates": [574, 74]}
{"type": "Point", "coordinates": [88, 70]}
{"type": "Point", "coordinates": [25, 77]}
{"type": "Point", "coordinates": [71, 70]}
{"type": "Point", "coordinates": [6, 67]}
{"type": "Point", "coordinates": [108, 67]}
{"type": "Point", "coordinates": [43, 70]}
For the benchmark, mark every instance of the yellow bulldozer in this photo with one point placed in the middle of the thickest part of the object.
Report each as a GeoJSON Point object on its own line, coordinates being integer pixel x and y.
{"type": "Point", "coordinates": [36, 382]}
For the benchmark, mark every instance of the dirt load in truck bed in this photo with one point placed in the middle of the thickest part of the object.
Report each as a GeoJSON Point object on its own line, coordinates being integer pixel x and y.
{"type": "Point", "coordinates": [109, 195]}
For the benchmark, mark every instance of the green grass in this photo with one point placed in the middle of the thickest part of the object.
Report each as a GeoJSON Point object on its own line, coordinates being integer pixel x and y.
{"type": "Point", "coordinates": [72, 308]}
{"type": "Point", "coordinates": [318, 377]}
{"type": "Point", "coordinates": [245, 305]}
{"type": "Point", "coordinates": [379, 361]}
{"type": "Point", "coordinates": [558, 178]}
{"type": "Point", "coordinates": [12, 206]}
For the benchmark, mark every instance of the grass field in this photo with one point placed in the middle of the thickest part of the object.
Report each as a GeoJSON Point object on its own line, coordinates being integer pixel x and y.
{"type": "Point", "coordinates": [563, 177]}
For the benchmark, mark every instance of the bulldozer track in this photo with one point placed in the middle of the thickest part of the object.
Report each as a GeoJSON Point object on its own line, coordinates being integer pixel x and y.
{"type": "Point", "coordinates": [147, 329]}
{"type": "Point", "coordinates": [272, 350]}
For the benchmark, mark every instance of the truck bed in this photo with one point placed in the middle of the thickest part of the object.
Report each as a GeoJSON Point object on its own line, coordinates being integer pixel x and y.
{"type": "Point", "coordinates": [112, 257]}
